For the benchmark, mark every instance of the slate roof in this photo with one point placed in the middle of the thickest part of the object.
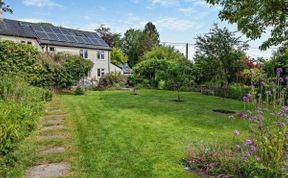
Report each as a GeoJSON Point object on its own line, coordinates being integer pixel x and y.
{"type": "Point", "coordinates": [56, 36]}
{"type": "Point", "coordinates": [126, 69]}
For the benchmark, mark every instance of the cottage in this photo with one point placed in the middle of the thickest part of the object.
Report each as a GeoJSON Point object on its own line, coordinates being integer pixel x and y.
{"type": "Point", "coordinates": [54, 39]}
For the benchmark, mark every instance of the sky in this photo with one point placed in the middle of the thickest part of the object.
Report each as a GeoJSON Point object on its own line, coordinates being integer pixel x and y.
{"type": "Point", "coordinates": [178, 21]}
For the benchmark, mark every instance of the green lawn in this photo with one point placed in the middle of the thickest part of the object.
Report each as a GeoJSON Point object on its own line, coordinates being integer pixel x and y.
{"type": "Point", "coordinates": [123, 135]}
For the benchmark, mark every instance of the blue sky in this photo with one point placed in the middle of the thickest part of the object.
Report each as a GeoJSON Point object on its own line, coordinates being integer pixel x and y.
{"type": "Point", "coordinates": [176, 20]}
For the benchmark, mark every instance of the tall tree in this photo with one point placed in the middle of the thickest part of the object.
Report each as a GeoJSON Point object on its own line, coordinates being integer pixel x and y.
{"type": "Point", "coordinates": [131, 45]}
{"type": "Point", "coordinates": [117, 57]}
{"type": "Point", "coordinates": [151, 37]}
{"type": "Point", "coordinates": [220, 48]}
{"type": "Point", "coordinates": [255, 17]}
{"type": "Point", "coordinates": [5, 8]}
{"type": "Point", "coordinates": [112, 39]}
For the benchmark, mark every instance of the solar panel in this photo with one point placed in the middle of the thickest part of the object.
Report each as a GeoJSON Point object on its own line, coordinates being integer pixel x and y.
{"type": "Point", "coordinates": [56, 30]}
{"type": "Point", "coordinates": [52, 36]}
{"type": "Point", "coordinates": [62, 37]}
{"type": "Point", "coordinates": [37, 28]}
{"type": "Point", "coordinates": [42, 35]}
{"type": "Point", "coordinates": [47, 29]}
{"type": "Point", "coordinates": [79, 39]}
{"type": "Point", "coordinates": [87, 41]}
{"type": "Point", "coordinates": [71, 39]}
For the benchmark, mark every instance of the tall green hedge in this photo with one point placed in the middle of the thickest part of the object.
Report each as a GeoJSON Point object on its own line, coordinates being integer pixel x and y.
{"type": "Point", "coordinates": [44, 70]}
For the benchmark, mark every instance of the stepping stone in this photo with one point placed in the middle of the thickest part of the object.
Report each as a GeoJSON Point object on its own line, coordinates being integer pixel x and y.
{"type": "Point", "coordinates": [50, 137]}
{"type": "Point", "coordinates": [55, 121]}
{"type": "Point", "coordinates": [47, 170]}
{"type": "Point", "coordinates": [52, 127]}
{"type": "Point", "coordinates": [55, 150]}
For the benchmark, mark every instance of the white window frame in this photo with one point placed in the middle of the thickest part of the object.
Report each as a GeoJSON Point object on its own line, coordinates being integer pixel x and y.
{"type": "Point", "coordinates": [101, 55]}
{"type": "Point", "coordinates": [84, 53]}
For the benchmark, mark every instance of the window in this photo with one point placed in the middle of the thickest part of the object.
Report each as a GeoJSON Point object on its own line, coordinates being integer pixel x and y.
{"type": "Point", "coordinates": [23, 42]}
{"type": "Point", "coordinates": [100, 72]}
{"type": "Point", "coordinates": [29, 42]}
{"type": "Point", "coordinates": [100, 55]}
{"type": "Point", "coordinates": [84, 53]}
{"type": "Point", "coordinates": [51, 49]}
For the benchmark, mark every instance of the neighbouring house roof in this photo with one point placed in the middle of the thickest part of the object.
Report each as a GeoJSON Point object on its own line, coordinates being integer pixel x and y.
{"type": "Point", "coordinates": [51, 35]}
{"type": "Point", "coordinates": [125, 68]}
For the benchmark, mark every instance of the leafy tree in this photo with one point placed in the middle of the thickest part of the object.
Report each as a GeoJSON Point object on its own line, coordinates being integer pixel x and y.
{"type": "Point", "coordinates": [220, 48]}
{"type": "Point", "coordinates": [164, 52]}
{"type": "Point", "coordinates": [131, 46]}
{"type": "Point", "coordinates": [178, 76]}
{"type": "Point", "coordinates": [5, 8]}
{"type": "Point", "coordinates": [150, 71]}
{"type": "Point", "coordinates": [255, 17]}
{"type": "Point", "coordinates": [117, 57]}
{"type": "Point", "coordinates": [278, 60]}
{"type": "Point", "coordinates": [112, 39]}
{"type": "Point", "coordinates": [151, 37]}
{"type": "Point", "coordinates": [48, 24]}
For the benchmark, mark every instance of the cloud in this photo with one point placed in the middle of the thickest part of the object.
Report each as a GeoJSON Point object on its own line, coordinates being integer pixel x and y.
{"type": "Point", "coordinates": [174, 24]}
{"type": "Point", "coordinates": [164, 2]}
{"type": "Point", "coordinates": [40, 3]}
{"type": "Point", "coordinates": [188, 11]}
{"type": "Point", "coordinates": [32, 20]}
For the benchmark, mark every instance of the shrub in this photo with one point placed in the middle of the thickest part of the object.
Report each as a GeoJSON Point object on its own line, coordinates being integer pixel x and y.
{"type": "Point", "coordinates": [112, 80]}
{"type": "Point", "coordinates": [79, 91]}
{"type": "Point", "coordinates": [20, 108]}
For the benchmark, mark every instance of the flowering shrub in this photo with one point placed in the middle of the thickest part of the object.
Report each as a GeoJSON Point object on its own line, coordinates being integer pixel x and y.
{"type": "Point", "coordinates": [263, 152]}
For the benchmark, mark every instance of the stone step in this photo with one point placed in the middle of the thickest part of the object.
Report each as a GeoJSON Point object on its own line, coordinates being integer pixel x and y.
{"type": "Point", "coordinates": [55, 150]}
{"type": "Point", "coordinates": [56, 127]}
{"type": "Point", "coordinates": [48, 170]}
{"type": "Point", "coordinates": [54, 121]}
{"type": "Point", "coordinates": [50, 137]}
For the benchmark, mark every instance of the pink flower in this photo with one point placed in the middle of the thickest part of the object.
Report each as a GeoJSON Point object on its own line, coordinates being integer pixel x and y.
{"type": "Point", "coordinates": [245, 99]}
{"type": "Point", "coordinates": [268, 92]}
{"type": "Point", "coordinates": [242, 115]}
{"type": "Point", "coordinates": [281, 80]}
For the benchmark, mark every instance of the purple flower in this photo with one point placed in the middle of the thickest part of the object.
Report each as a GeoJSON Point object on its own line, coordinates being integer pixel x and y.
{"type": "Point", "coordinates": [246, 155]}
{"type": "Point", "coordinates": [263, 83]}
{"type": "Point", "coordinates": [252, 73]}
{"type": "Point", "coordinates": [272, 83]}
{"type": "Point", "coordinates": [253, 148]}
{"type": "Point", "coordinates": [279, 70]}
{"type": "Point", "coordinates": [253, 119]}
{"type": "Point", "coordinates": [245, 99]}
{"type": "Point", "coordinates": [281, 124]}
{"type": "Point", "coordinates": [238, 147]}
{"type": "Point", "coordinates": [259, 94]}
{"type": "Point", "coordinates": [236, 133]}
{"type": "Point", "coordinates": [249, 95]}
{"type": "Point", "coordinates": [285, 108]}
{"type": "Point", "coordinates": [281, 79]}
{"type": "Point", "coordinates": [268, 92]}
{"type": "Point", "coordinates": [249, 112]}
{"type": "Point", "coordinates": [249, 142]}
{"type": "Point", "coordinates": [281, 114]}
{"type": "Point", "coordinates": [257, 158]}
{"type": "Point", "coordinates": [242, 115]}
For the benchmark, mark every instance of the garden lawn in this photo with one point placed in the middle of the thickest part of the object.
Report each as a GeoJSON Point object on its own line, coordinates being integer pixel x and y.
{"type": "Point", "coordinates": [146, 135]}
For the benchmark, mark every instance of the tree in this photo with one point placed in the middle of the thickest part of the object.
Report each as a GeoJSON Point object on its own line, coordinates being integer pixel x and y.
{"type": "Point", "coordinates": [117, 57]}
{"type": "Point", "coordinates": [178, 76]}
{"type": "Point", "coordinates": [279, 60]}
{"type": "Point", "coordinates": [164, 52]}
{"type": "Point", "coordinates": [151, 37]}
{"type": "Point", "coordinates": [223, 49]}
{"type": "Point", "coordinates": [112, 39]}
{"type": "Point", "coordinates": [5, 8]}
{"type": "Point", "coordinates": [131, 46]}
{"type": "Point", "coordinates": [255, 17]}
